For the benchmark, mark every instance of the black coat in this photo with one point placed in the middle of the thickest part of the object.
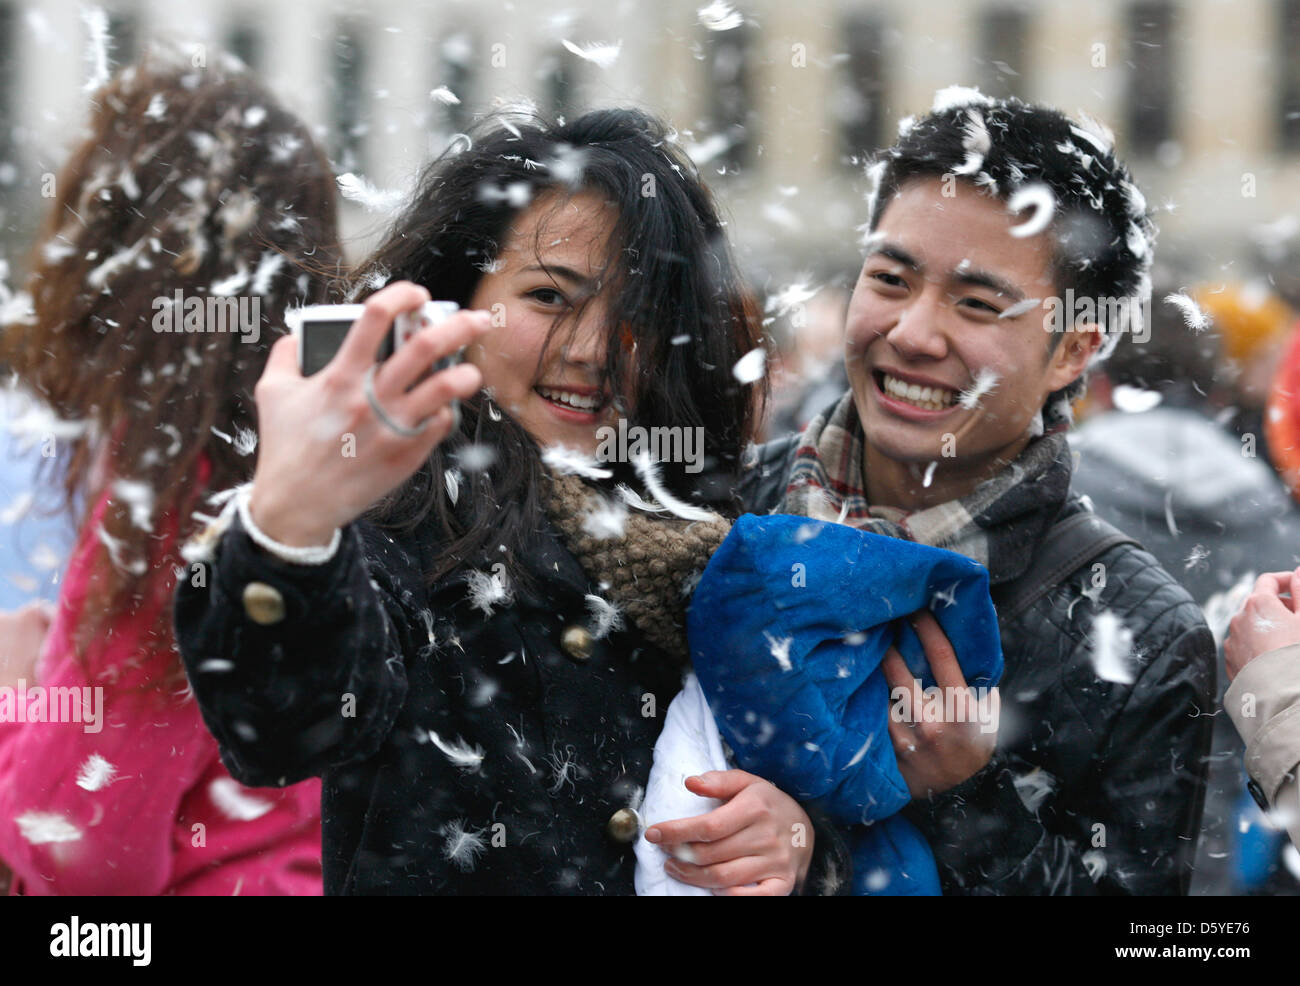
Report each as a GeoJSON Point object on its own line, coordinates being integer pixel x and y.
{"type": "Point", "coordinates": [1095, 787]}
{"type": "Point", "coordinates": [460, 753]}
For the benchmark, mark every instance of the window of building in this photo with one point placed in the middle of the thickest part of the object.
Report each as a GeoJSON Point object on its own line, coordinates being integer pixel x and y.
{"type": "Point", "coordinates": [9, 164]}
{"type": "Point", "coordinates": [454, 70]}
{"type": "Point", "coordinates": [245, 43]}
{"type": "Point", "coordinates": [347, 97]}
{"type": "Point", "coordinates": [1288, 62]}
{"type": "Point", "coordinates": [1003, 37]}
{"type": "Point", "coordinates": [560, 72]}
{"type": "Point", "coordinates": [728, 57]}
{"type": "Point", "coordinates": [123, 38]}
{"type": "Point", "coordinates": [1150, 97]}
{"type": "Point", "coordinates": [860, 94]}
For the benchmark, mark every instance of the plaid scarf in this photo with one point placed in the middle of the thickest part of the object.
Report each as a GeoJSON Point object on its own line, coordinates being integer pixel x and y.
{"type": "Point", "coordinates": [998, 524]}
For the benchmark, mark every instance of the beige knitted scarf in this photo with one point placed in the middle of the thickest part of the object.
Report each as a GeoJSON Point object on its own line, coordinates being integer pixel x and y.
{"type": "Point", "coordinates": [649, 570]}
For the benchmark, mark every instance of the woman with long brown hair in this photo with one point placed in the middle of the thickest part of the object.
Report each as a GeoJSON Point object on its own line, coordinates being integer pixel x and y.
{"type": "Point", "coordinates": [194, 214]}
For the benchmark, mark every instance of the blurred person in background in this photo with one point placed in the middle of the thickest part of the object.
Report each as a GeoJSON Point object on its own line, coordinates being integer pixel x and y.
{"type": "Point", "coordinates": [1254, 321]}
{"type": "Point", "coordinates": [813, 374]}
{"type": "Point", "coordinates": [193, 186]}
{"type": "Point", "coordinates": [1263, 659]}
{"type": "Point", "coordinates": [34, 538]}
{"type": "Point", "coordinates": [1155, 461]}
{"type": "Point", "coordinates": [1262, 651]}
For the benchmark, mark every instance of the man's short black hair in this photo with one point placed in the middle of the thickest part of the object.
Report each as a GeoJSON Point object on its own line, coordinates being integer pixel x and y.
{"type": "Point", "coordinates": [1103, 235]}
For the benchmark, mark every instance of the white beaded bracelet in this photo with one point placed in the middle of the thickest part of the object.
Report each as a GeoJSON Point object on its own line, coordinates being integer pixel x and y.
{"type": "Point", "coordinates": [314, 555]}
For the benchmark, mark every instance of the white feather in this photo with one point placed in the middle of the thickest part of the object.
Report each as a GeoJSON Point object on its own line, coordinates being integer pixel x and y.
{"type": "Point", "coordinates": [44, 827]}
{"type": "Point", "coordinates": [750, 366]}
{"type": "Point", "coordinates": [267, 268]}
{"type": "Point", "coordinates": [98, 277]}
{"type": "Point", "coordinates": [976, 142]}
{"type": "Point", "coordinates": [1195, 319]}
{"type": "Point", "coordinates": [605, 518]}
{"type": "Point", "coordinates": [95, 773]}
{"type": "Point", "coordinates": [487, 590]}
{"type": "Point", "coordinates": [1094, 860]}
{"type": "Point", "coordinates": [787, 299]}
{"type": "Point", "coordinates": [1034, 788]}
{"type": "Point", "coordinates": [1112, 647]}
{"type": "Point", "coordinates": [229, 285]}
{"type": "Point", "coordinates": [1020, 307]}
{"type": "Point", "coordinates": [779, 647]}
{"type": "Point", "coordinates": [862, 752]}
{"type": "Point", "coordinates": [22, 503]}
{"type": "Point", "coordinates": [633, 499]}
{"type": "Point", "coordinates": [463, 846]}
{"type": "Point", "coordinates": [234, 802]}
{"type": "Point", "coordinates": [96, 21]}
{"type": "Point", "coordinates": [597, 52]}
{"type": "Point", "coordinates": [245, 440]}
{"type": "Point", "coordinates": [986, 380]}
{"type": "Point", "coordinates": [1195, 557]}
{"type": "Point", "coordinates": [648, 470]}
{"type": "Point", "coordinates": [114, 548]}
{"type": "Point", "coordinates": [1134, 400]}
{"type": "Point", "coordinates": [952, 97]}
{"type": "Point", "coordinates": [1038, 197]}
{"type": "Point", "coordinates": [467, 758]}
{"type": "Point", "coordinates": [475, 457]}
{"type": "Point", "coordinates": [875, 174]}
{"type": "Point", "coordinates": [606, 616]}
{"type": "Point", "coordinates": [357, 189]}
{"type": "Point", "coordinates": [1220, 608]}
{"type": "Point", "coordinates": [566, 461]}
{"type": "Point", "coordinates": [719, 16]}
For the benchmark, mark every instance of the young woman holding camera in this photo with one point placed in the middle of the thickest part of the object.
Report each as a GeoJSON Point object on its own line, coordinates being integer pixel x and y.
{"type": "Point", "coordinates": [404, 602]}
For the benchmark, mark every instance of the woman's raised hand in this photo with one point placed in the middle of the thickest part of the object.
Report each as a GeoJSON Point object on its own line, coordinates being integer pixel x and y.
{"type": "Point", "coordinates": [324, 454]}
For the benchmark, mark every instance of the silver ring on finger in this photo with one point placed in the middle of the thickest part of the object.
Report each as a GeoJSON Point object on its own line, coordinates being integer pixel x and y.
{"type": "Point", "coordinates": [382, 415]}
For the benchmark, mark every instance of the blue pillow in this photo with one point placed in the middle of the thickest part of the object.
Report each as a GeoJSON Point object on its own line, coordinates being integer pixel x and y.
{"type": "Point", "coordinates": [787, 629]}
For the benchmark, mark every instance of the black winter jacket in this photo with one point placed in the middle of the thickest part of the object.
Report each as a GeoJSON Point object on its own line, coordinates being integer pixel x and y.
{"type": "Point", "coordinates": [1095, 787]}
{"type": "Point", "coordinates": [460, 752]}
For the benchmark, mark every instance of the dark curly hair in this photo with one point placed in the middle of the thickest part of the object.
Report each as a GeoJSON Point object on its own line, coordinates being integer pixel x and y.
{"type": "Point", "coordinates": [1103, 236]}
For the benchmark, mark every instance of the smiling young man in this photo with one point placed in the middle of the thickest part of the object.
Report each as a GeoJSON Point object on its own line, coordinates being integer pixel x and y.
{"type": "Point", "coordinates": [960, 375]}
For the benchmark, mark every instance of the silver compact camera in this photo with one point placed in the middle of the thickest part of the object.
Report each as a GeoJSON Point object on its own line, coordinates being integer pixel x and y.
{"type": "Point", "coordinates": [321, 328]}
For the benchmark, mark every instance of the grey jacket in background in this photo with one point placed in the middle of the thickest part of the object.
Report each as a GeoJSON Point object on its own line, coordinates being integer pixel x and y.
{"type": "Point", "coordinates": [1181, 485]}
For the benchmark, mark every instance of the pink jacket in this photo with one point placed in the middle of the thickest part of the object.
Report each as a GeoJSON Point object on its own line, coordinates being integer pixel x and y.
{"type": "Point", "coordinates": [141, 805]}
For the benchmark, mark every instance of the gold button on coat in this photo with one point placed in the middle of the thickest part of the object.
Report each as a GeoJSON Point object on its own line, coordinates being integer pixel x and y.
{"type": "Point", "coordinates": [263, 603]}
{"type": "Point", "coordinates": [623, 826]}
{"type": "Point", "coordinates": [577, 642]}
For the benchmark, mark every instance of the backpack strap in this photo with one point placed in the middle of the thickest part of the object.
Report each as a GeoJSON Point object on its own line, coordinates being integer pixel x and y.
{"type": "Point", "coordinates": [1069, 544]}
